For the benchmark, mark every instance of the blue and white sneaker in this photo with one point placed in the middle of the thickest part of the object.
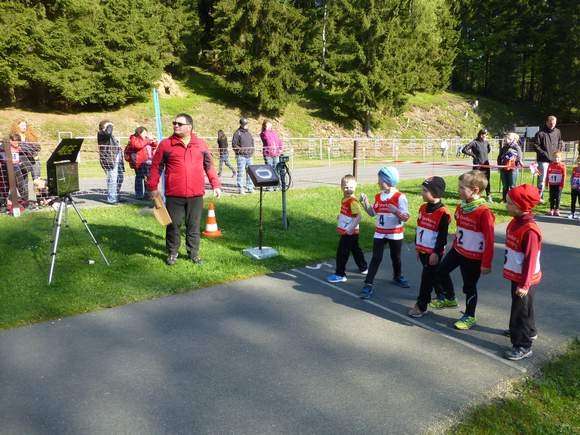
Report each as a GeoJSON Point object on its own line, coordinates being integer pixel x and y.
{"type": "Point", "coordinates": [335, 279]}
{"type": "Point", "coordinates": [366, 292]}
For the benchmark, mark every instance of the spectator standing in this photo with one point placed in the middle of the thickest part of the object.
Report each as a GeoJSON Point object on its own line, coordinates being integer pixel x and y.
{"type": "Point", "coordinates": [139, 154]}
{"type": "Point", "coordinates": [30, 145]}
{"type": "Point", "coordinates": [10, 153]}
{"type": "Point", "coordinates": [222, 141]}
{"type": "Point", "coordinates": [186, 160]}
{"type": "Point", "coordinates": [243, 146]}
{"type": "Point", "coordinates": [111, 160]}
{"type": "Point", "coordinates": [444, 146]}
{"type": "Point", "coordinates": [272, 145]}
{"type": "Point", "coordinates": [509, 158]}
{"type": "Point", "coordinates": [546, 142]}
{"type": "Point", "coordinates": [479, 149]}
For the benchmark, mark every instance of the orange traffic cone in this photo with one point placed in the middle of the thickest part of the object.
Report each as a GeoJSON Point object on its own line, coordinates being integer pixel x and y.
{"type": "Point", "coordinates": [211, 228]}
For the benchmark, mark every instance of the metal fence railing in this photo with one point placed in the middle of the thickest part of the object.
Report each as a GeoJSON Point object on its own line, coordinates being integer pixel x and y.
{"type": "Point", "coordinates": [305, 152]}
{"type": "Point", "coordinates": [329, 149]}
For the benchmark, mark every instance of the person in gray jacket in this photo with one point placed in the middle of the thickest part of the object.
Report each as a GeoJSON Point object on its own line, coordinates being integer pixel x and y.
{"type": "Point", "coordinates": [479, 149]}
{"type": "Point", "coordinates": [547, 141]}
{"type": "Point", "coordinates": [111, 160]}
{"type": "Point", "coordinates": [243, 146]}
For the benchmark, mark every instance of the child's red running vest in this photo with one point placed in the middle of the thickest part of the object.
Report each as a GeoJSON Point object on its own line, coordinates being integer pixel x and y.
{"type": "Point", "coordinates": [575, 178]}
{"type": "Point", "coordinates": [386, 221]}
{"type": "Point", "coordinates": [556, 174]}
{"type": "Point", "coordinates": [427, 229]}
{"type": "Point", "coordinates": [346, 216]}
{"type": "Point", "coordinates": [514, 255]}
{"type": "Point", "coordinates": [469, 239]}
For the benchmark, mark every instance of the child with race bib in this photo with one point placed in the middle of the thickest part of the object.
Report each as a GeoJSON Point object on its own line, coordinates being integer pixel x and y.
{"type": "Point", "coordinates": [391, 211]}
{"type": "Point", "coordinates": [575, 190]}
{"type": "Point", "coordinates": [472, 249]}
{"type": "Point", "coordinates": [523, 243]}
{"type": "Point", "coordinates": [555, 180]}
{"type": "Point", "coordinates": [430, 241]}
{"type": "Point", "coordinates": [348, 229]}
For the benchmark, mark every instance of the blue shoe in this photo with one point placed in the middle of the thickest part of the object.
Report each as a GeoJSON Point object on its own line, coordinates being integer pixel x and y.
{"type": "Point", "coordinates": [334, 279]}
{"type": "Point", "coordinates": [401, 281]}
{"type": "Point", "coordinates": [366, 292]}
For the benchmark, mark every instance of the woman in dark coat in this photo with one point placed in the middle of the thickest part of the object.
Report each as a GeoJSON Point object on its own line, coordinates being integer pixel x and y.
{"type": "Point", "coordinates": [509, 158]}
{"type": "Point", "coordinates": [479, 150]}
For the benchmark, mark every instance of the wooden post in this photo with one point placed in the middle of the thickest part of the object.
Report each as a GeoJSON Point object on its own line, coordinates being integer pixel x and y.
{"type": "Point", "coordinates": [354, 158]}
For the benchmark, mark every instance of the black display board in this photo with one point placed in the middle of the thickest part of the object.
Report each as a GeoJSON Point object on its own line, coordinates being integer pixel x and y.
{"type": "Point", "coordinates": [62, 168]}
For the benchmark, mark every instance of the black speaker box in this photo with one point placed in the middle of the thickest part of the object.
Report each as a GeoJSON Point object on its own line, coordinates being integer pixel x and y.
{"type": "Point", "coordinates": [263, 175]}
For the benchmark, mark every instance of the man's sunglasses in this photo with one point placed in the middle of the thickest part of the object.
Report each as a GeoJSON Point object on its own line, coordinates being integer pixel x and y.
{"type": "Point", "coordinates": [179, 124]}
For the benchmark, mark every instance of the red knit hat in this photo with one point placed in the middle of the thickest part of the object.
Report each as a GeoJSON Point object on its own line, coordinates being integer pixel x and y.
{"type": "Point", "coordinates": [525, 196]}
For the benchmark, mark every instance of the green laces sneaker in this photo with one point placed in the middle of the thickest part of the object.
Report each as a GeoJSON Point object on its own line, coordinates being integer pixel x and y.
{"type": "Point", "coordinates": [466, 322]}
{"type": "Point", "coordinates": [439, 304]}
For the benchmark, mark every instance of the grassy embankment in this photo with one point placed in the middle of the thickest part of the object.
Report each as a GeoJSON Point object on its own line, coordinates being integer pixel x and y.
{"type": "Point", "coordinates": [441, 115]}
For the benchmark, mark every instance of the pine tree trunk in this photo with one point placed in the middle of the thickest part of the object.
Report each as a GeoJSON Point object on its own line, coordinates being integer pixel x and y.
{"type": "Point", "coordinates": [368, 123]}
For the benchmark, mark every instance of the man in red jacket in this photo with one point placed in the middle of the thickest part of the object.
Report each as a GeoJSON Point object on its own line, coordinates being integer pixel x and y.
{"type": "Point", "coordinates": [186, 160]}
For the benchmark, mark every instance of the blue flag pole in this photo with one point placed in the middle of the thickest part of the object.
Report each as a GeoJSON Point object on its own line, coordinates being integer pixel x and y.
{"type": "Point", "coordinates": [157, 114]}
{"type": "Point", "coordinates": [159, 127]}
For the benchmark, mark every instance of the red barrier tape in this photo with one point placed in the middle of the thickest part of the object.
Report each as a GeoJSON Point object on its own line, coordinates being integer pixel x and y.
{"type": "Point", "coordinates": [466, 165]}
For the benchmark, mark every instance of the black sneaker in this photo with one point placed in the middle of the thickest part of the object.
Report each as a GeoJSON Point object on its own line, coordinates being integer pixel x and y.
{"type": "Point", "coordinates": [518, 353]}
{"type": "Point", "coordinates": [171, 259]}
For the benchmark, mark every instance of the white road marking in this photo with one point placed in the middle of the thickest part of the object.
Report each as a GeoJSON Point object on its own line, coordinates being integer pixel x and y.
{"type": "Point", "coordinates": [415, 322]}
{"type": "Point", "coordinates": [318, 266]}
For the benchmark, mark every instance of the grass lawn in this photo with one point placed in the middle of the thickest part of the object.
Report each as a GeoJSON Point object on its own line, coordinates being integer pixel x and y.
{"type": "Point", "coordinates": [548, 404]}
{"type": "Point", "coordinates": [134, 244]}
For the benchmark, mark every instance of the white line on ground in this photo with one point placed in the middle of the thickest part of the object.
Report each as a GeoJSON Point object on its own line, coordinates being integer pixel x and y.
{"type": "Point", "coordinates": [419, 324]}
{"type": "Point", "coordinates": [289, 274]}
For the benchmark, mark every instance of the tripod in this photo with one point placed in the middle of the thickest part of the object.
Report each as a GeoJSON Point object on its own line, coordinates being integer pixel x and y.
{"type": "Point", "coordinates": [63, 203]}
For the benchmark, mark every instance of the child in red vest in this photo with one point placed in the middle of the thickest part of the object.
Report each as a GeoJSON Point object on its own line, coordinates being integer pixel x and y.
{"type": "Point", "coordinates": [430, 241]}
{"type": "Point", "coordinates": [348, 228]}
{"type": "Point", "coordinates": [522, 268]}
{"type": "Point", "coordinates": [555, 180]}
{"type": "Point", "coordinates": [575, 190]}
{"type": "Point", "coordinates": [391, 210]}
{"type": "Point", "coordinates": [472, 248]}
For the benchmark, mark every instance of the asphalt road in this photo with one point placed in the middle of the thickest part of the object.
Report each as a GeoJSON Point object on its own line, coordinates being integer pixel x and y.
{"type": "Point", "coordinates": [283, 353]}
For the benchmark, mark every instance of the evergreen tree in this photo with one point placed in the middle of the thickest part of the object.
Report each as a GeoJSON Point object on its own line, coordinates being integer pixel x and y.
{"type": "Point", "coordinates": [84, 54]}
{"type": "Point", "coordinates": [379, 51]}
{"type": "Point", "coordinates": [527, 52]}
{"type": "Point", "coordinates": [258, 50]}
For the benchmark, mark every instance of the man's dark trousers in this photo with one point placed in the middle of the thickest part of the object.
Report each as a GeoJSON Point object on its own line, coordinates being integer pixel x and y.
{"type": "Point", "coordinates": [190, 209]}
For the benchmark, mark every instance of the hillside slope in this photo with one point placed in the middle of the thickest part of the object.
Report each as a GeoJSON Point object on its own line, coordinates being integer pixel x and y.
{"type": "Point", "coordinates": [442, 115]}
